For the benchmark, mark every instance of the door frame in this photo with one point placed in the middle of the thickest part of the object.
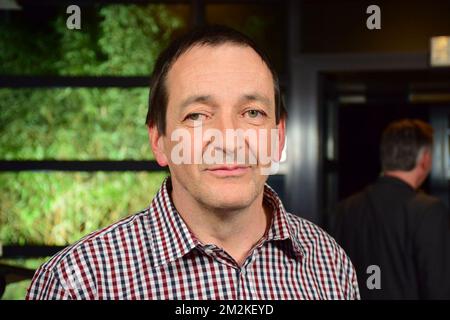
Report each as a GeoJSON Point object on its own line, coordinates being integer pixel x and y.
{"type": "Point", "coordinates": [305, 143]}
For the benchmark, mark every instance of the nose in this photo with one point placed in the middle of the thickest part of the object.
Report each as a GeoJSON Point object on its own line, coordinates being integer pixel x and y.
{"type": "Point", "coordinates": [228, 125]}
{"type": "Point", "coordinates": [225, 120]}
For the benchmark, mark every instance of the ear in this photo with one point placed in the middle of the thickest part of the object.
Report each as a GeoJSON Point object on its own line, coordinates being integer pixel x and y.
{"type": "Point", "coordinates": [281, 136]}
{"type": "Point", "coordinates": [426, 160]}
{"type": "Point", "coordinates": [157, 145]}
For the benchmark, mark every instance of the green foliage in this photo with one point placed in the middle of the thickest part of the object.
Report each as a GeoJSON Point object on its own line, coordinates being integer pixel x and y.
{"type": "Point", "coordinates": [24, 50]}
{"type": "Point", "coordinates": [72, 123]}
{"type": "Point", "coordinates": [139, 32]}
{"type": "Point", "coordinates": [114, 40]}
{"type": "Point", "coordinates": [83, 123]}
{"type": "Point", "coordinates": [57, 208]}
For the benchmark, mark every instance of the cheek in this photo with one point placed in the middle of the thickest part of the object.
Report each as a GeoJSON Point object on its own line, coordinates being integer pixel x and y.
{"type": "Point", "coordinates": [266, 146]}
{"type": "Point", "coordinates": [184, 146]}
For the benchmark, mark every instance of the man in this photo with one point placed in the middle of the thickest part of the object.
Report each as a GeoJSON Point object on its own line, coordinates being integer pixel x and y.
{"type": "Point", "coordinates": [214, 230]}
{"type": "Point", "coordinates": [398, 238]}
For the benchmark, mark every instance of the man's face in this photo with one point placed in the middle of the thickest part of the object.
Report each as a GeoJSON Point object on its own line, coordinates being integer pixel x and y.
{"type": "Point", "coordinates": [215, 89]}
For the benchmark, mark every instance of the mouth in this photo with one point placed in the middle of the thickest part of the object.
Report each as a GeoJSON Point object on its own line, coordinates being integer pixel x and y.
{"type": "Point", "coordinates": [228, 170]}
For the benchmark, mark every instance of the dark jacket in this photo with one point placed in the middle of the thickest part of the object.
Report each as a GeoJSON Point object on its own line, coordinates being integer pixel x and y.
{"type": "Point", "coordinates": [403, 232]}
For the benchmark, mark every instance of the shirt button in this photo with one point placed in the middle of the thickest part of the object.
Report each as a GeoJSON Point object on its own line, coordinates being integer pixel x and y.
{"type": "Point", "coordinates": [209, 248]}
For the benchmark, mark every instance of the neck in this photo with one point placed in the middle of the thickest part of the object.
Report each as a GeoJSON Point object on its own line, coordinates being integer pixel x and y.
{"type": "Point", "coordinates": [234, 230]}
{"type": "Point", "coordinates": [408, 177]}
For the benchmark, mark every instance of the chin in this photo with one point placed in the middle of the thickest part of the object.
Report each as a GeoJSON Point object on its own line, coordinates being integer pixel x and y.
{"type": "Point", "coordinates": [230, 195]}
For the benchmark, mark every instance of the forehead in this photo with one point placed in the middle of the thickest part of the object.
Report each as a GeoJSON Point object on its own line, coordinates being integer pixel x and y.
{"type": "Point", "coordinates": [223, 68]}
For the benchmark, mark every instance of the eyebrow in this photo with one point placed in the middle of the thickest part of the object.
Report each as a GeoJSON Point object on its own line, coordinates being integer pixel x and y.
{"type": "Point", "coordinates": [204, 99]}
{"type": "Point", "coordinates": [207, 99]}
{"type": "Point", "coordinates": [256, 97]}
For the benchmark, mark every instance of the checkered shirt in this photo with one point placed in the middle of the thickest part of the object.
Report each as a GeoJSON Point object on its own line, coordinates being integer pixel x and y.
{"type": "Point", "coordinates": [154, 255]}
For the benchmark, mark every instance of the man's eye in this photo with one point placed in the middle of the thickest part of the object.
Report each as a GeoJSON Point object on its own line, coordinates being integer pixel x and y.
{"type": "Point", "coordinates": [254, 113]}
{"type": "Point", "coordinates": [195, 117]}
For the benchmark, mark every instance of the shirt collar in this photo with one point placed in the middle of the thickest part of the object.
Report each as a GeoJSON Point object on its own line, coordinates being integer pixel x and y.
{"type": "Point", "coordinates": [281, 228]}
{"type": "Point", "coordinates": [397, 181]}
{"type": "Point", "coordinates": [172, 239]}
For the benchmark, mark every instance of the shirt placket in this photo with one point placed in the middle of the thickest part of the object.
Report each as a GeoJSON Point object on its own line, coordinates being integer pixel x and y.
{"type": "Point", "coordinates": [245, 287]}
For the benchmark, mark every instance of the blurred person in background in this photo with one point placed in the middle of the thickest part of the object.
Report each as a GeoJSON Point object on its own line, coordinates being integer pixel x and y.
{"type": "Point", "coordinates": [392, 229]}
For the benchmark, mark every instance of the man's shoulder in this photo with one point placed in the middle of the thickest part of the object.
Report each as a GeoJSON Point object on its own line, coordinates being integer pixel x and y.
{"type": "Point", "coordinates": [310, 236]}
{"type": "Point", "coordinates": [427, 200]}
{"type": "Point", "coordinates": [104, 242]}
{"type": "Point", "coordinates": [425, 206]}
{"type": "Point", "coordinates": [356, 199]}
{"type": "Point", "coordinates": [326, 256]}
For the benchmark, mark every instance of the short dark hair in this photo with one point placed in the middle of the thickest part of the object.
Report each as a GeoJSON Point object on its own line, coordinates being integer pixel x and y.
{"type": "Point", "coordinates": [209, 35]}
{"type": "Point", "coordinates": [401, 143]}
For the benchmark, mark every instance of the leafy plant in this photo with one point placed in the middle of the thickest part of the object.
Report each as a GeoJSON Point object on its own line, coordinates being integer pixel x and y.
{"type": "Point", "coordinates": [57, 208]}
